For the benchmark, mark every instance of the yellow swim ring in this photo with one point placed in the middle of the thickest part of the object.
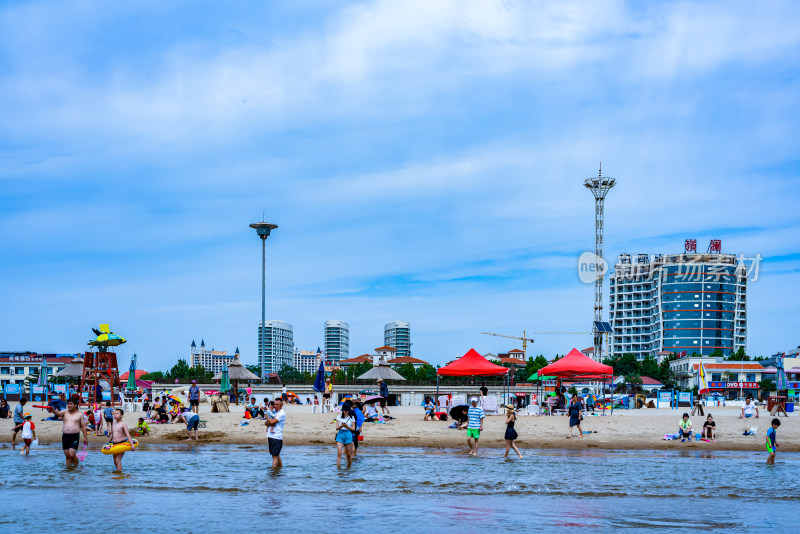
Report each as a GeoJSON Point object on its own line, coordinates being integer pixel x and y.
{"type": "Point", "coordinates": [116, 448]}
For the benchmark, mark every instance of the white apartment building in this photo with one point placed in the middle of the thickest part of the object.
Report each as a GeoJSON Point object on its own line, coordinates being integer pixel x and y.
{"type": "Point", "coordinates": [305, 361]}
{"type": "Point", "coordinates": [275, 345]}
{"type": "Point", "coordinates": [211, 360]}
{"type": "Point", "coordinates": [337, 341]}
{"type": "Point", "coordinates": [397, 334]}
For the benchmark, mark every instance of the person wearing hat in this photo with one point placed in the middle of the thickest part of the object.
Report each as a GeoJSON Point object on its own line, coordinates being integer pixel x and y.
{"type": "Point", "coordinates": [511, 434]}
{"type": "Point", "coordinates": [194, 397]}
{"type": "Point", "coordinates": [28, 433]}
{"type": "Point", "coordinates": [385, 395]}
{"type": "Point", "coordinates": [474, 426]}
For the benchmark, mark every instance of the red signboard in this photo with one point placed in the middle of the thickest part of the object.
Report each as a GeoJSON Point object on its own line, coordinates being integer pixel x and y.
{"type": "Point", "coordinates": [742, 385]}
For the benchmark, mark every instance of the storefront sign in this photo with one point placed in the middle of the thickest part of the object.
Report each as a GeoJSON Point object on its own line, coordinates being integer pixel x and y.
{"type": "Point", "coordinates": [716, 385]}
{"type": "Point", "coordinates": [741, 385]}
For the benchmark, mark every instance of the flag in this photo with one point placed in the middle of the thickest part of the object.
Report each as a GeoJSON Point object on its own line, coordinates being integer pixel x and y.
{"type": "Point", "coordinates": [780, 377]}
{"type": "Point", "coordinates": [702, 380]}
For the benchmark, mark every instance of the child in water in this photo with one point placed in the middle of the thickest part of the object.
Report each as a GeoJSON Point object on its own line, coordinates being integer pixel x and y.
{"type": "Point", "coordinates": [119, 434]}
{"type": "Point", "coordinates": [772, 443]}
{"type": "Point", "coordinates": [29, 434]}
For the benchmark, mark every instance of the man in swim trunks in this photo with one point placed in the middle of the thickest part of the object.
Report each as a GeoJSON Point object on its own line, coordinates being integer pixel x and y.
{"type": "Point", "coordinates": [119, 434]}
{"type": "Point", "coordinates": [475, 426]}
{"type": "Point", "coordinates": [73, 425]}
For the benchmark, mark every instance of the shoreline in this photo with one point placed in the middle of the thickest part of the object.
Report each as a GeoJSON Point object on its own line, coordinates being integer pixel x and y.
{"type": "Point", "coordinates": [625, 430]}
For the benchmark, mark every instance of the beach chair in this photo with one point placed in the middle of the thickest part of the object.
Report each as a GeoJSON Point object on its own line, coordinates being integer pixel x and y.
{"type": "Point", "coordinates": [531, 409]}
{"type": "Point", "coordinates": [490, 406]}
{"type": "Point", "coordinates": [443, 403]}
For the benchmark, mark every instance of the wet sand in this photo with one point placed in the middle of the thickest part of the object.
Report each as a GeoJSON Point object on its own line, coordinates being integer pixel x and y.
{"type": "Point", "coordinates": [626, 429]}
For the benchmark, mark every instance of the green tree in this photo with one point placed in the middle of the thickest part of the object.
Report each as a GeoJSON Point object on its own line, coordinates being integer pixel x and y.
{"type": "Point", "coordinates": [407, 371]}
{"type": "Point", "coordinates": [155, 376]}
{"type": "Point", "coordinates": [739, 356]}
{"type": "Point", "coordinates": [290, 375]}
{"type": "Point", "coordinates": [533, 365]}
{"type": "Point", "coordinates": [426, 374]}
{"type": "Point", "coordinates": [767, 385]}
{"type": "Point", "coordinates": [649, 367]}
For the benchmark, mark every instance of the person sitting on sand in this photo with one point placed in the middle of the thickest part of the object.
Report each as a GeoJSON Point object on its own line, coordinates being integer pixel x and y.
{"type": "Point", "coordinates": [709, 428]}
{"type": "Point", "coordinates": [252, 407]}
{"type": "Point", "coordinates": [749, 409]}
{"type": "Point", "coordinates": [430, 410]}
{"type": "Point", "coordinates": [372, 413]}
{"type": "Point", "coordinates": [685, 428]}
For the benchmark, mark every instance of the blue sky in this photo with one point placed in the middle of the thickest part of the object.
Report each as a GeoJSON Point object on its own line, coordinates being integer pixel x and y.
{"type": "Point", "coordinates": [424, 161]}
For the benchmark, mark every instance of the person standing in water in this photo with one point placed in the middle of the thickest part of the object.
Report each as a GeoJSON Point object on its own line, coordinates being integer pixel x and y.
{"type": "Point", "coordinates": [119, 433]}
{"type": "Point", "coordinates": [476, 416]}
{"type": "Point", "coordinates": [575, 416]}
{"type": "Point", "coordinates": [275, 423]}
{"type": "Point", "coordinates": [19, 420]}
{"type": "Point", "coordinates": [345, 427]}
{"type": "Point", "coordinates": [511, 434]}
{"type": "Point", "coordinates": [72, 426]}
{"type": "Point", "coordinates": [772, 443]}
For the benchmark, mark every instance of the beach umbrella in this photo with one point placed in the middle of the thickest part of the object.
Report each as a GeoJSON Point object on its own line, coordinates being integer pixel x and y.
{"type": "Point", "coordinates": [319, 382]}
{"type": "Point", "coordinates": [372, 399]}
{"type": "Point", "coordinates": [42, 373]}
{"type": "Point", "coordinates": [106, 338]}
{"type": "Point", "coordinates": [780, 379]}
{"type": "Point", "coordinates": [382, 370]}
{"type": "Point", "coordinates": [73, 370]}
{"type": "Point", "coordinates": [224, 383]}
{"type": "Point", "coordinates": [131, 385]}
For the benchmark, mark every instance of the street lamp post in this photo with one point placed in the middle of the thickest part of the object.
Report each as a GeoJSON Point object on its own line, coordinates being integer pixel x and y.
{"type": "Point", "coordinates": [263, 229]}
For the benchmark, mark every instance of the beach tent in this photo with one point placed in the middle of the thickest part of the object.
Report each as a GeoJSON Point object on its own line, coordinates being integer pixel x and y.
{"type": "Point", "coordinates": [577, 365]}
{"type": "Point", "coordinates": [470, 364]}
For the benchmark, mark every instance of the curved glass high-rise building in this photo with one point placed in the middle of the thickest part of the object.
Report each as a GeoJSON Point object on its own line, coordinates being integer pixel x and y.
{"type": "Point", "coordinates": [337, 340]}
{"type": "Point", "coordinates": [278, 345]}
{"type": "Point", "coordinates": [397, 334]}
{"type": "Point", "coordinates": [691, 302]}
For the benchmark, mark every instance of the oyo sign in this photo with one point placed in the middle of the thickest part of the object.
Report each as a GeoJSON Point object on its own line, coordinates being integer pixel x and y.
{"type": "Point", "coordinates": [744, 385]}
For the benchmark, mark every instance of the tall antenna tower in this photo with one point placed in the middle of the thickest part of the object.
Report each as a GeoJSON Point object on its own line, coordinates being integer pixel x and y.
{"type": "Point", "coordinates": [599, 187]}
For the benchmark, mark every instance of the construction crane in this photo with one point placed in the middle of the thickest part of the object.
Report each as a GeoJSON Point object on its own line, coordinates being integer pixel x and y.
{"type": "Point", "coordinates": [523, 339]}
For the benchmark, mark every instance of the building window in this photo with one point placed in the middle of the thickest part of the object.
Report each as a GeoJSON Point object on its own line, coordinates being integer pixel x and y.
{"type": "Point", "coordinates": [19, 370]}
{"type": "Point", "coordinates": [5, 370]}
{"type": "Point", "coordinates": [751, 377]}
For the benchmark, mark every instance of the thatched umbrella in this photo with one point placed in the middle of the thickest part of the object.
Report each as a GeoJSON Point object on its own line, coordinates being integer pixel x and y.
{"type": "Point", "coordinates": [73, 370]}
{"type": "Point", "coordinates": [382, 370]}
{"type": "Point", "coordinates": [236, 372]}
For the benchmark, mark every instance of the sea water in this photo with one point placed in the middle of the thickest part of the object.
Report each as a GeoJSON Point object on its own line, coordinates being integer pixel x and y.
{"type": "Point", "coordinates": [212, 488]}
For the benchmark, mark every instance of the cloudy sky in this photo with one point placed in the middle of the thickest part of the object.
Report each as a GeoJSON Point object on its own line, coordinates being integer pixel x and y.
{"type": "Point", "coordinates": [423, 159]}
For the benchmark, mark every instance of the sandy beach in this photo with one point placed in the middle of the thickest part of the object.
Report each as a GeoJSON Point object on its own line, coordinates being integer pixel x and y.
{"type": "Point", "coordinates": [626, 429]}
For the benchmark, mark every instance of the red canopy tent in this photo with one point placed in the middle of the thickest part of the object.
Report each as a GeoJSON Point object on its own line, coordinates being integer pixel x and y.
{"type": "Point", "coordinates": [577, 365]}
{"type": "Point", "coordinates": [470, 364]}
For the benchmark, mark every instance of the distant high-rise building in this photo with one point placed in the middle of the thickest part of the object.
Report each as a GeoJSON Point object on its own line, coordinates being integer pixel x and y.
{"type": "Point", "coordinates": [278, 345]}
{"type": "Point", "coordinates": [691, 302]}
{"type": "Point", "coordinates": [337, 341]}
{"type": "Point", "coordinates": [305, 361]}
{"type": "Point", "coordinates": [397, 334]}
{"type": "Point", "coordinates": [211, 360]}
